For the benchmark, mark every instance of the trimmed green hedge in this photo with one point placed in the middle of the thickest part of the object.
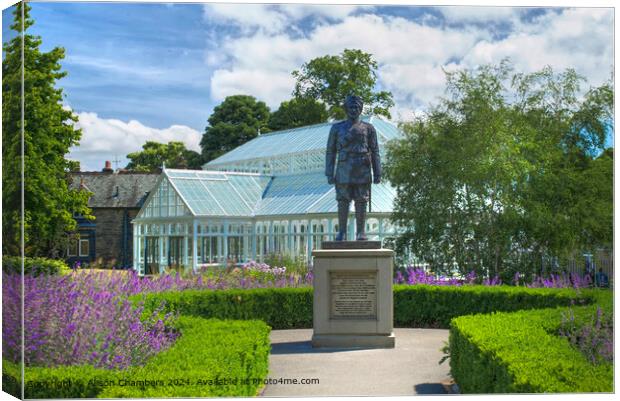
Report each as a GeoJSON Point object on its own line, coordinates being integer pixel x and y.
{"type": "Point", "coordinates": [520, 352]}
{"type": "Point", "coordinates": [280, 308]}
{"type": "Point", "coordinates": [11, 378]}
{"type": "Point", "coordinates": [434, 306]}
{"type": "Point", "coordinates": [36, 266]}
{"type": "Point", "coordinates": [207, 350]}
{"type": "Point", "coordinates": [414, 306]}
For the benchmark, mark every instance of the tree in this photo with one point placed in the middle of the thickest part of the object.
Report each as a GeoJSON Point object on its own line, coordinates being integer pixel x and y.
{"type": "Point", "coordinates": [501, 172]}
{"type": "Point", "coordinates": [154, 154]}
{"type": "Point", "coordinates": [235, 121]}
{"type": "Point", "coordinates": [331, 78]}
{"type": "Point", "coordinates": [48, 133]}
{"type": "Point", "coordinates": [297, 112]}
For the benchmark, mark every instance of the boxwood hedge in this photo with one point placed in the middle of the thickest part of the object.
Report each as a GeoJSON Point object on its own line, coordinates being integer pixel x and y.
{"type": "Point", "coordinates": [280, 308]}
{"type": "Point", "coordinates": [211, 358]}
{"type": "Point", "coordinates": [414, 306]}
{"type": "Point", "coordinates": [520, 352]}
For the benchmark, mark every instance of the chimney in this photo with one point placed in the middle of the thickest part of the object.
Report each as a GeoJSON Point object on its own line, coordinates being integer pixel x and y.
{"type": "Point", "coordinates": [108, 167]}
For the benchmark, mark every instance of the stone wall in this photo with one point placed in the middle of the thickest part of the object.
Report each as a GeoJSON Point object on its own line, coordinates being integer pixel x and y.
{"type": "Point", "coordinates": [114, 236]}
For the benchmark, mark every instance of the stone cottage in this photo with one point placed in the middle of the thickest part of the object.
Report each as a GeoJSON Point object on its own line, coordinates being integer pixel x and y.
{"type": "Point", "coordinates": [116, 199]}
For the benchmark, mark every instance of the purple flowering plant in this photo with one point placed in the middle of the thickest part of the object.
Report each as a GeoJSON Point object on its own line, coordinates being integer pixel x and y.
{"type": "Point", "coordinates": [595, 339]}
{"type": "Point", "coordinates": [85, 317]}
{"type": "Point", "coordinates": [418, 275]}
{"type": "Point", "coordinates": [76, 319]}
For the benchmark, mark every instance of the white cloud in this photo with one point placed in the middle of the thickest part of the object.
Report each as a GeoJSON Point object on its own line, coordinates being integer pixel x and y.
{"type": "Point", "coordinates": [464, 14]}
{"type": "Point", "coordinates": [411, 55]}
{"type": "Point", "coordinates": [262, 63]}
{"type": "Point", "coordinates": [577, 38]}
{"type": "Point", "coordinates": [270, 88]}
{"type": "Point", "coordinates": [271, 18]}
{"type": "Point", "coordinates": [107, 139]}
{"type": "Point", "coordinates": [300, 11]}
{"type": "Point", "coordinates": [247, 16]}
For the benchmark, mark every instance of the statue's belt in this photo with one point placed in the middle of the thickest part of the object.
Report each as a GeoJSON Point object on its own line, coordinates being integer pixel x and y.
{"type": "Point", "coordinates": [344, 155]}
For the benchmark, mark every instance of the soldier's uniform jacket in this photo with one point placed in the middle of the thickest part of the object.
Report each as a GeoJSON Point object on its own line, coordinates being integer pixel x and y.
{"type": "Point", "coordinates": [352, 149]}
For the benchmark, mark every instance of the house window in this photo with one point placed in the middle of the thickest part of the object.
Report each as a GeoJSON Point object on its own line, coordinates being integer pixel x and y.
{"type": "Point", "coordinates": [73, 247]}
{"type": "Point", "coordinates": [84, 247]}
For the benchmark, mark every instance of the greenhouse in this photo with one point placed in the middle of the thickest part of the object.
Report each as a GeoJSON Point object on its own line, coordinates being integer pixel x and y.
{"type": "Point", "coordinates": [268, 196]}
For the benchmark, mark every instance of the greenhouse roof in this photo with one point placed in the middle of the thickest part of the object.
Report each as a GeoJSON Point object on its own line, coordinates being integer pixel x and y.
{"type": "Point", "coordinates": [214, 193]}
{"type": "Point", "coordinates": [309, 193]}
{"type": "Point", "coordinates": [296, 140]}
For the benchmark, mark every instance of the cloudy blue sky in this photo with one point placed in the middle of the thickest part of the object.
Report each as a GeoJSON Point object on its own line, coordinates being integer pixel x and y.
{"type": "Point", "coordinates": [154, 71]}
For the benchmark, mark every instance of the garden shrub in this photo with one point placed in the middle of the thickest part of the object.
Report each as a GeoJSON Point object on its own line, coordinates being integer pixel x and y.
{"type": "Point", "coordinates": [434, 306]}
{"type": "Point", "coordinates": [414, 306]}
{"type": "Point", "coordinates": [520, 352]}
{"type": "Point", "coordinates": [11, 378]}
{"type": "Point", "coordinates": [35, 266]}
{"type": "Point", "coordinates": [55, 382]}
{"type": "Point", "coordinates": [206, 350]}
{"type": "Point", "coordinates": [280, 308]}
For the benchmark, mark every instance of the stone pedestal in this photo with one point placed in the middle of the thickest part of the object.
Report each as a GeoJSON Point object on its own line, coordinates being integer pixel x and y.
{"type": "Point", "coordinates": [353, 301]}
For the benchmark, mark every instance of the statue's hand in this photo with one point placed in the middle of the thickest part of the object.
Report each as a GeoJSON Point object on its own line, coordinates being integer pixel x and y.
{"type": "Point", "coordinates": [330, 180]}
{"type": "Point", "coordinates": [376, 179]}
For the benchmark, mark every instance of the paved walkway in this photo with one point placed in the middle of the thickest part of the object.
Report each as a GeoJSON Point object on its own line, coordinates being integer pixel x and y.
{"type": "Point", "coordinates": [410, 368]}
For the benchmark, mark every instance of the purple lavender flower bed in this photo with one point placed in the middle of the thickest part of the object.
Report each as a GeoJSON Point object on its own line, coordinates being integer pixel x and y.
{"type": "Point", "coordinates": [417, 275]}
{"type": "Point", "coordinates": [80, 319]}
{"type": "Point", "coordinates": [595, 339]}
{"type": "Point", "coordinates": [86, 318]}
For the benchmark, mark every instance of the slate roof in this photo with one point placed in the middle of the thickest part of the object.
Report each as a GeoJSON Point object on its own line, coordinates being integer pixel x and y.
{"type": "Point", "coordinates": [119, 189]}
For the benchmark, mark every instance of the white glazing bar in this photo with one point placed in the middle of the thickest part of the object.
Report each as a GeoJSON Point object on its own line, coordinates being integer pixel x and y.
{"type": "Point", "coordinates": [289, 233]}
{"type": "Point", "coordinates": [195, 246]}
{"type": "Point", "coordinates": [225, 242]}
{"type": "Point", "coordinates": [351, 229]}
{"type": "Point", "coordinates": [161, 249]}
{"type": "Point", "coordinates": [136, 227]}
{"type": "Point", "coordinates": [253, 239]}
{"type": "Point", "coordinates": [138, 258]}
{"type": "Point", "coordinates": [310, 237]}
{"type": "Point", "coordinates": [270, 245]}
{"type": "Point", "coordinates": [185, 246]}
{"type": "Point", "coordinates": [330, 229]}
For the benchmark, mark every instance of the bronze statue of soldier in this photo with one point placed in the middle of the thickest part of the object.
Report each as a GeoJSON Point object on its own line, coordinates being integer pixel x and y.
{"type": "Point", "coordinates": [353, 152]}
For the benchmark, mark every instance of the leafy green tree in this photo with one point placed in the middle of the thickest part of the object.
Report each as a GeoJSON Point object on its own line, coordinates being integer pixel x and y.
{"type": "Point", "coordinates": [154, 154]}
{"type": "Point", "coordinates": [501, 172]}
{"type": "Point", "coordinates": [235, 121]}
{"type": "Point", "coordinates": [297, 112]}
{"type": "Point", "coordinates": [48, 133]}
{"type": "Point", "coordinates": [331, 78]}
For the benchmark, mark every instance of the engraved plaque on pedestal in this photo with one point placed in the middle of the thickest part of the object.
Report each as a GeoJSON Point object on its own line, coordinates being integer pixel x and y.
{"type": "Point", "coordinates": [352, 298]}
{"type": "Point", "coordinates": [353, 295]}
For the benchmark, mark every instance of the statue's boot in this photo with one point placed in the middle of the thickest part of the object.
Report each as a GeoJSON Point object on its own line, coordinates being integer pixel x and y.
{"type": "Point", "coordinates": [343, 215]}
{"type": "Point", "coordinates": [360, 220]}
